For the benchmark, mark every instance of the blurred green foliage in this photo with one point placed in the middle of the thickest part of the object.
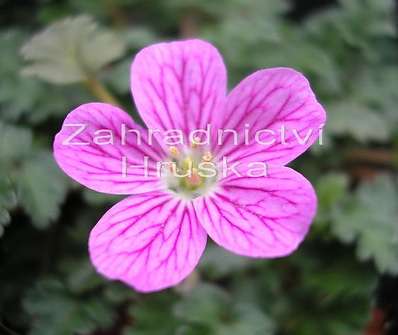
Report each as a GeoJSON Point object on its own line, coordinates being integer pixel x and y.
{"type": "Point", "coordinates": [349, 52]}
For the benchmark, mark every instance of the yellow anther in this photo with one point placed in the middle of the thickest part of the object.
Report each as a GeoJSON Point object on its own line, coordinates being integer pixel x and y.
{"type": "Point", "coordinates": [207, 157]}
{"type": "Point", "coordinates": [174, 152]}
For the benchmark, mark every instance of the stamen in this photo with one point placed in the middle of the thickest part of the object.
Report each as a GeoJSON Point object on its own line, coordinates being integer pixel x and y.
{"type": "Point", "coordinates": [194, 179]}
{"type": "Point", "coordinates": [183, 174]}
{"type": "Point", "coordinates": [187, 163]}
{"type": "Point", "coordinates": [207, 157]}
{"type": "Point", "coordinates": [174, 152]}
{"type": "Point", "coordinates": [173, 167]}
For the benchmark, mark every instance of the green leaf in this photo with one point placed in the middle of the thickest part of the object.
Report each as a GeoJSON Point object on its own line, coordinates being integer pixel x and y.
{"type": "Point", "coordinates": [358, 120]}
{"type": "Point", "coordinates": [152, 315]}
{"type": "Point", "coordinates": [15, 146]}
{"type": "Point", "coordinates": [80, 275]}
{"type": "Point", "coordinates": [54, 310]}
{"type": "Point", "coordinates": [249, 320]}
{"type": "Point", "coordinates": [331, 190]}
{"type": "Point", "coordinates": [205, 304]}
{"type": "Point", "coordinates": [370, 219]}
{"type": "Point", "coordinates": [15, 143]}
{"type": "Point", "coordinates": [8, 201]}
{"type": "Point", "coordinates": [210, 306]}
{"type": "Point", "coordinates": [16, 95]}
{"type": "Point", "coordinates": [341, 280]}
{"type": "Point", "coordinates": [8, 197]}
{"type": "Point", "coordinates": [41, 189]}
{"type": "Point", "coordinates": [29, 98]}
{"type": "Point", "coordinates": [217, 262]}
{"type": "Point", "coordinates": [378, 89]}
{"type": "Point", "coordinates": [70, 50]}
{"type": "Point", "coordinates": [376, 13]}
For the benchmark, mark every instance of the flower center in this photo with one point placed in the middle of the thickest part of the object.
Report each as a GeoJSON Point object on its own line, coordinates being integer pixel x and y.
{"type": "Point", "coordinates": [190, 172]}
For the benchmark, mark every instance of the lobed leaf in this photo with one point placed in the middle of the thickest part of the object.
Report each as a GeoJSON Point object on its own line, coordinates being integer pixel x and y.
{"type": "Point", "coordinates": [70, 50]}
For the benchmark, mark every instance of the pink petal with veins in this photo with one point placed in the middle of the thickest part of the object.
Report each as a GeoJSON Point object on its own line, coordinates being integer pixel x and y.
{"type": "Point", "coordinates": [259, 216]}
{"type": "Point", "coordinates": [179, 85]}
{"type": "Point", "coordinates": [150, 241]}
{"type": "Point", "coordinates": [97, 163]}
{"type": "Point", "coordinates": [272, 99]}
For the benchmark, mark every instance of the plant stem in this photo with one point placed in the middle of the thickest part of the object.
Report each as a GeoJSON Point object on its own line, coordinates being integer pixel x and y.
{"type": "Point", "coordinates": [100, 91]}
{"type": "Point", "coordinates": [377, 156]}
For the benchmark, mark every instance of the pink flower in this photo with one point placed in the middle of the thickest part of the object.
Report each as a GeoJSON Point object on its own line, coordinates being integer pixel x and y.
{"type": "Point", "coordinates": [154, 238]}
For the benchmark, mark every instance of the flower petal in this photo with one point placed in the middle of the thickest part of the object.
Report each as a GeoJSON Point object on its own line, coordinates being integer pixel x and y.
{"type": "Point", "coordinates": [259, 216]}
{"type": "Point", "coordinates": [278, 106]}
{"type": "Point", "coordinates": [150, 241]}
{"type": "Point", "coordinates": [179, 85]}
{"type": "Point", "coordinates": [91, 149]}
